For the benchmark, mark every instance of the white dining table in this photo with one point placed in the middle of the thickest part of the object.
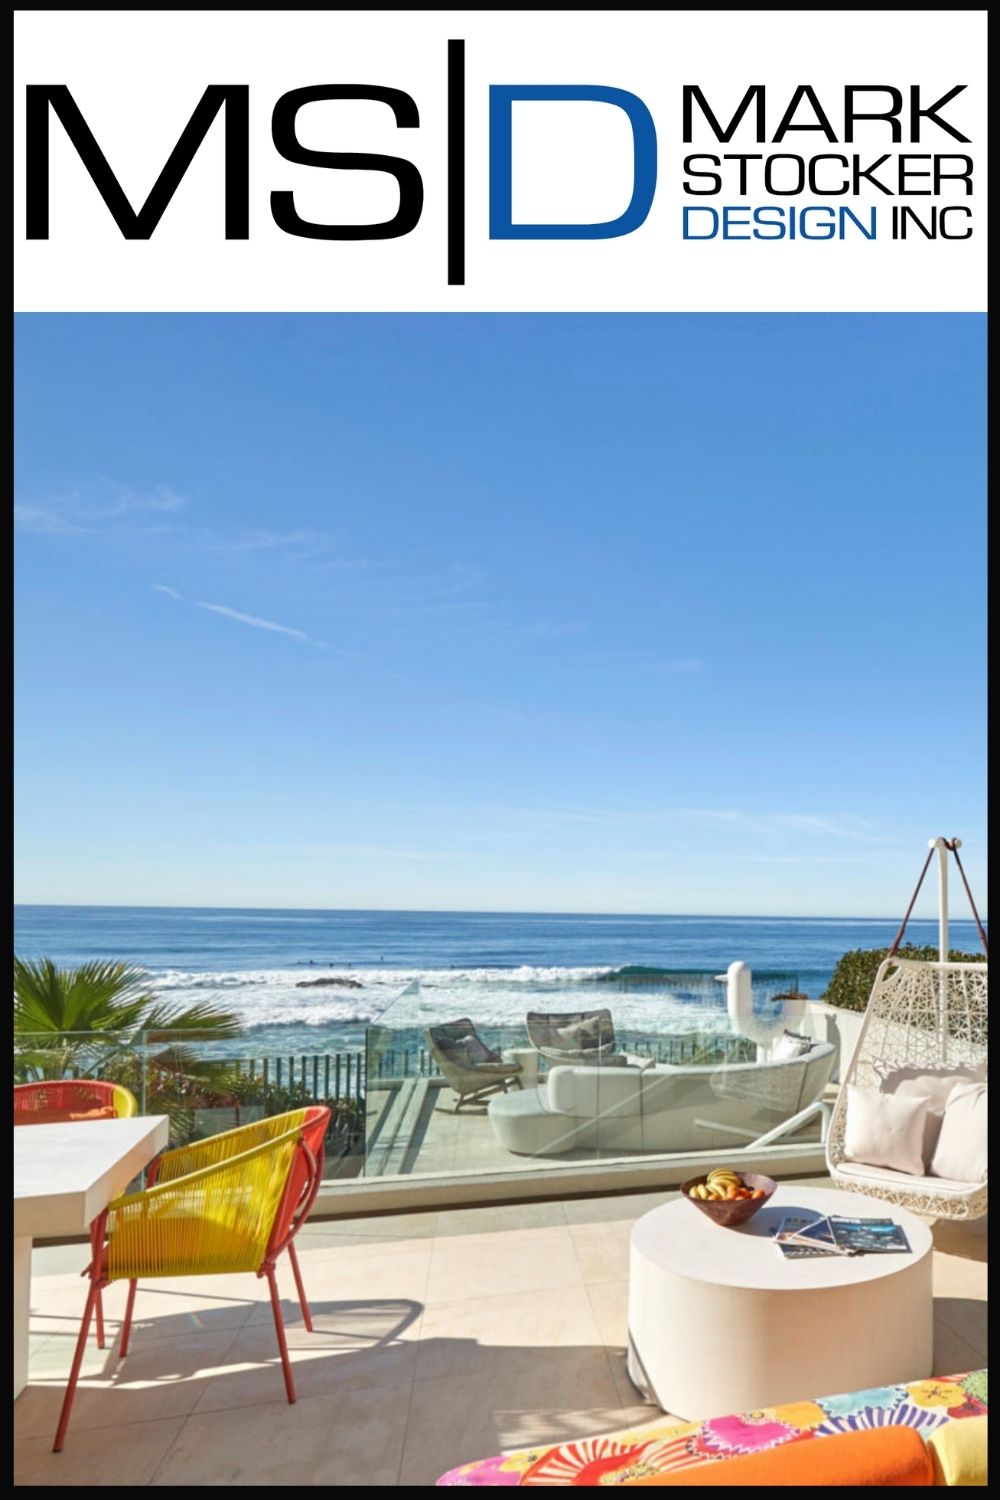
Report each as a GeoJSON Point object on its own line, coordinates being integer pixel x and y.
{"type": "Point", "coordinates": [64, 1175]}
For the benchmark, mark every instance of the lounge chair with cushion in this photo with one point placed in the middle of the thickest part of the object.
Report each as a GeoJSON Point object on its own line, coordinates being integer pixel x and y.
{"type": "Point", "coordinates": [467, 1064]}
{"type": "Point", "coordinates": [576, 1036]}
{"type": "Point", "coordinates": [663, 1107]}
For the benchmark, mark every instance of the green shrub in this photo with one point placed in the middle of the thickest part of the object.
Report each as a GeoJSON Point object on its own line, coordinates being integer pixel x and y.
{"type": "Point", "coordinates": [851, 982]}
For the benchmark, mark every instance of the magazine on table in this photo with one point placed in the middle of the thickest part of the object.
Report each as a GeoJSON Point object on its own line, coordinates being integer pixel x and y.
{"type": "Point", "coordinates": [869, 1236]}
{"type": "Point", "coordinates": [797, 1237]}
{"type": "Point", "coordinates": [800, 1238]}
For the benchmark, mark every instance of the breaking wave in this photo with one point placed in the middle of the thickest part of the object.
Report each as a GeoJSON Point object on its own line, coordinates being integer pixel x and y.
{"type": "Point", "coordinates": [340, 1001]}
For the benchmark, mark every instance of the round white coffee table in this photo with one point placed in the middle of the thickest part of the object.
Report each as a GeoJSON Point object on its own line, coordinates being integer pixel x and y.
{"type": "Point", "coordinates": [720, 1321]}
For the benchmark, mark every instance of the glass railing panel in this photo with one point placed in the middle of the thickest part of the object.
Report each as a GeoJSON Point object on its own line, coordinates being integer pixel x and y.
{"type": "Point", "coordinates": [636, 1064]}
{"type": "Point", "coordinates": [206, 1085]}
{"type": "Point", "coordinates": [499, 1073]}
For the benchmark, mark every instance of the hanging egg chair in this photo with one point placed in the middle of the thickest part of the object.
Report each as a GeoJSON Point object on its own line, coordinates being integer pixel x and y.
{"type": "Point", "coordinates": [925, 1034]}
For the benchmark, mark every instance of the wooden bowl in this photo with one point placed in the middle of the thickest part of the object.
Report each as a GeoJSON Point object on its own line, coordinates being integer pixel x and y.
{"type": "Point", "coordinates": [730, 1213]}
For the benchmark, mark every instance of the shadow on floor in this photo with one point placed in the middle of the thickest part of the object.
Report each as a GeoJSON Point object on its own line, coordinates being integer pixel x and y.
{"type": "Point", "coordinates": [466, 1400]}
{"type": "Point", "coordinates": [967, 1241]}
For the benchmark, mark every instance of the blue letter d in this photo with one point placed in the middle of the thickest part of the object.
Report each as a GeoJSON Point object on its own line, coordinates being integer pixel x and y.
{"type": "Point", "coordinates": [502, 96]}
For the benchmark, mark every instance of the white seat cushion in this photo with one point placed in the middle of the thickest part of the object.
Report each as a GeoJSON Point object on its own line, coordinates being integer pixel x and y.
{"type": "Point", "coordinates": [857, 1171]}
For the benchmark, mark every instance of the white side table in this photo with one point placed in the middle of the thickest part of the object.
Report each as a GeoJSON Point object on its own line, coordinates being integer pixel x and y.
{"type": "Point", "coordinates": [720, 1321]}
{"type": "Point", "coordinates": [528, 1058]}
{"type": "Point", "coordinates": [63, 1176]}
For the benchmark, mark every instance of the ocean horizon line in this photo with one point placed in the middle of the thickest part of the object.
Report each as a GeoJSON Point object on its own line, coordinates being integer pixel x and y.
{"type": "Point", "coordinates": [484, 911]}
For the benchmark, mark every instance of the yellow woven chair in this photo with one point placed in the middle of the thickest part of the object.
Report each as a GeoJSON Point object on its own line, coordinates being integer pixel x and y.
{"type": "Point", "coordinates": [231, 1203]}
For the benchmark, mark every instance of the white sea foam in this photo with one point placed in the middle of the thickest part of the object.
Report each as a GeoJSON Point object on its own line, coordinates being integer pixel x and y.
{"type": "Point", "coordinates": [418, 997]}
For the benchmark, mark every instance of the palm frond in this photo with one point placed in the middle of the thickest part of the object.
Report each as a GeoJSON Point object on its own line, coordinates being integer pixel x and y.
{"type": "Point", "coordinates": [102, 1020]}
{"type": "Point", "coordinates": [109, 996]}
{"type": "Point", "coordinates": [167, 1023]}
{"type": "Point", "coordinates": [103, 995]}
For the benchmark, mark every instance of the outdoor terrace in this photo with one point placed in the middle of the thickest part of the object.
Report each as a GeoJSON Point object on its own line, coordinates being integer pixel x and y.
{"type": "Point", "coordinates": [440, 1337]}
{"type": "Point", "coordinates": [420, 1133]}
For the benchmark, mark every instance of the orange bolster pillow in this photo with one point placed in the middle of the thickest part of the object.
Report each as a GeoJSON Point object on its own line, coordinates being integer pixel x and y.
{"type": "Point", "coordinates": [875, 1456]}
{"type": "Point", "coordinates": [62, 1116]}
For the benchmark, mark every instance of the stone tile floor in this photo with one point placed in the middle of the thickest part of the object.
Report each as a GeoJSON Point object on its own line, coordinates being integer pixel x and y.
{"type": "Point", "coordinates": [440, 1337]}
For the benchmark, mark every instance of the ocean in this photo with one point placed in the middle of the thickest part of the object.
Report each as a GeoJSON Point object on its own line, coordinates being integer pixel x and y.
{"type": "Point", "coordinates": [492, 966]}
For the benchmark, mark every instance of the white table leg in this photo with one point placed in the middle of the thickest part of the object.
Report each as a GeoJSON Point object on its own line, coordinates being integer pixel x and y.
{"type": "Point", "coordinates": [22, 1312]}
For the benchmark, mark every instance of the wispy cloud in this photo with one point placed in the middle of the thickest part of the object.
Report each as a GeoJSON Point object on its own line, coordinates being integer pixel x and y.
{"type": "Point", "coordinates": [398, 594]}
{"type": "Point", "coordinates": [821, 825]}
{"type": "Point", "coordinates": [376, 851]}
{"type": "Point", "coordinates": [412, 609]}
{"type": "Point", "coordinates": [352, 851]}
{"type": "Point", "coordinates": [742, 825]}
{"type": "Point", "coordinates": [300, 542]}
{"type": "Point", "coordinates": [95, 506]}
{"type": "Point", "coordinates": [521, 631]}
{"type": "Point", "coordinates": [47, 520]}
{"type": "Point", "coordinates": [410, 593]}
{"type": "Point", "coordinates": [256, 622]}
{"type": "Point", "coordinates": [273, 541]}
{"type": "Point", "coordinates": [670, 855]}
{"type": "Point", "coordinates": [162, 497]}
{"type": "Point", "coordinates": [632, 662]}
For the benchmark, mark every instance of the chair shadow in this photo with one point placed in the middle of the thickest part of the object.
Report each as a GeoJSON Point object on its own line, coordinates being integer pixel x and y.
{"type": "Point", "coordinates": [373, 1323]}
{"type": "Point", "coordinates": [469, 1400]}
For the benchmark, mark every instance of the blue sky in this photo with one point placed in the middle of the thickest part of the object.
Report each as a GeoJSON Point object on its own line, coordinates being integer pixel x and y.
{"type": "Point", "coordinates": [579, 613]}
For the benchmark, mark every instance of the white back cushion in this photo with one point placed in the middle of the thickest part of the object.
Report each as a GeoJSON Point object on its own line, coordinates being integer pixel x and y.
{"type": "Point", "coordinates": [886, 1130]}
{"type": "Point", "coordinates": [594, 1091]}
{"type": "Point", "coordinates": [936, 1084]}
{"type": "Point", "coordinates": [790, 1045]}
{"type": "Point", "coordinates": [961, 1150]}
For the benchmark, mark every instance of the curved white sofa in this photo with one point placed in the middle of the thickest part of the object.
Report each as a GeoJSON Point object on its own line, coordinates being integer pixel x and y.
{"type": "Point", "coordinates": [658, 1107]}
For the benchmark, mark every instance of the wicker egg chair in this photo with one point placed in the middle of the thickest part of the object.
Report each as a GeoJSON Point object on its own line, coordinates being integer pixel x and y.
{"type": "Point", "coordinates": [924, 1020]}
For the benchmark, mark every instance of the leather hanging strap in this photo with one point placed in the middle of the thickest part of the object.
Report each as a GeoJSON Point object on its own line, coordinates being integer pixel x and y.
{"type": "Point", "coordinates": [913, 901]}
{"type": "Point", "coordinates": [952, 845]}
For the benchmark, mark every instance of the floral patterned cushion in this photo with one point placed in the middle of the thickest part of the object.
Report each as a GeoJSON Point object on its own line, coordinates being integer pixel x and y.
{"type": "Point", "coordinates": [655, 1449]}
